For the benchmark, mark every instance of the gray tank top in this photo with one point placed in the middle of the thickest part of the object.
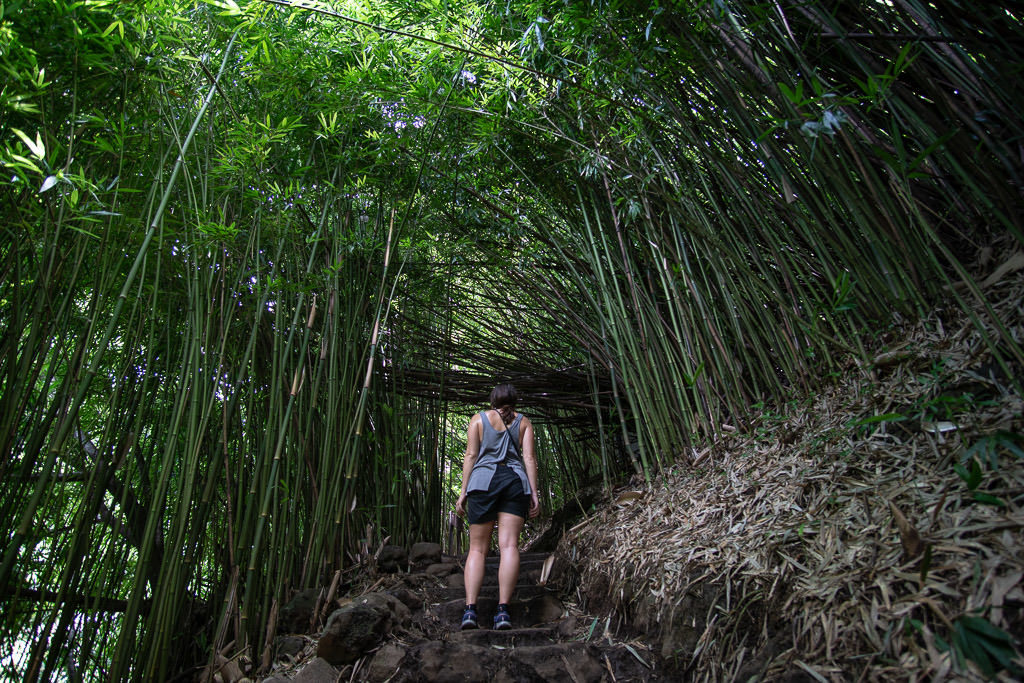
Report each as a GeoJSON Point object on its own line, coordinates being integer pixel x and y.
{"type": "Point", "coordinates": [497, 447]}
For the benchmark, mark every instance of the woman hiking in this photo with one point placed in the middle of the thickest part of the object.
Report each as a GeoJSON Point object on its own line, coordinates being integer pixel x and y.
{"type": "Point", "coordinates": [499, 484]}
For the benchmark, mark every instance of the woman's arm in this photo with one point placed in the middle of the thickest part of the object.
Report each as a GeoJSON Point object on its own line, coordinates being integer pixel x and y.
{"type": "Point", "coordinates": [530, 460]}
{"type": "Point", "coordinates": [472, 451]}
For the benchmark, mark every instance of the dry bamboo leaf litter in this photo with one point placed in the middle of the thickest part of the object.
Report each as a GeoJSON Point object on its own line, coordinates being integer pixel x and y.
{"type": "Point", "coordinates": [850, 552]}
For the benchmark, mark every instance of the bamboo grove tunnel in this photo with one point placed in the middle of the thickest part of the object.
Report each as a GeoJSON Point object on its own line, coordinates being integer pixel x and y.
{"type": "Point", "coordinates": [263, 259]}
{"type": "Point", "coordinates": [476, 338]}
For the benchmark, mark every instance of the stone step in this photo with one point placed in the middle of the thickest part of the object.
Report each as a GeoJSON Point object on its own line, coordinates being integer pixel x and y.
{"type": "Point", "coordinates": [569, 661]}
{"type": "Point", "coordinates": [440, 661]}
{"type": "Point", "coordinates": [540, 609]}
{"type": "Point", "coordinates": [513, 637]}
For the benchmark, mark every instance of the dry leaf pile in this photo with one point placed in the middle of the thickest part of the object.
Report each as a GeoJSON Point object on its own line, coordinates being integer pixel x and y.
{"type": "Point", "coordinates": [833, 538]}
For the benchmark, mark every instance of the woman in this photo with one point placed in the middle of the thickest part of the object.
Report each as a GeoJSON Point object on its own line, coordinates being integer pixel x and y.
{"type": "Point", "coordinates": [499, 483]}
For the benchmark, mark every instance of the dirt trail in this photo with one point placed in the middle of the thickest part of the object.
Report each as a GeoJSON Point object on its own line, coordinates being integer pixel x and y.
{"type": "Point", "coordinates": [548, 641]}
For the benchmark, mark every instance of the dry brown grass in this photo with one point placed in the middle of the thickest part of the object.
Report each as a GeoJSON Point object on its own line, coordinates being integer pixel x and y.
{"type": "Point", "coordinates": [827, 540]}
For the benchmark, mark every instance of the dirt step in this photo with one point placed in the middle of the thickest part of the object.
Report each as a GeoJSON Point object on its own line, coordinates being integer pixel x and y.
{"type": "Point", "coordinates": [526, 578]}
{"type": "Point", "coordinates": [493, 554]}
{"type": "Point", "coordinates": [526, 560]}
{"type": "Point", "coordinates": [529, 611]}
{"type": "Point", "coordinates": [491, 591]}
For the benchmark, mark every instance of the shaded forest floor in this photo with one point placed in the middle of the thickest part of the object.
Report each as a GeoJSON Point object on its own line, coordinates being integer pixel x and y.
{"type": "Point", "coordinates": [870, 531]}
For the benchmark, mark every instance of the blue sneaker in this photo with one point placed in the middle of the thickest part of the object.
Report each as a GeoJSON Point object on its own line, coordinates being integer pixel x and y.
{"type": "Point", "coordinates": [469, 618]}
{"type": "Point", "coordinates": [502, 620]}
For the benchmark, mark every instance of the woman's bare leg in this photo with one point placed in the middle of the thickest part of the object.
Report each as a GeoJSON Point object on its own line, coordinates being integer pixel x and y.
{"type": "Point", "coordinates": [479, 544]}
{"type": "Point", "coordinates": [509, 528]}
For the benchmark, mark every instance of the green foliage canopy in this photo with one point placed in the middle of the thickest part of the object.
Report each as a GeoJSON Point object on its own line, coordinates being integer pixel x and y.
{"type": "Point", "coordinates": [259, 256]}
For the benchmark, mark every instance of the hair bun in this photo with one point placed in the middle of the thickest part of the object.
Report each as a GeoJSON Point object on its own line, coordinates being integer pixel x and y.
{"type": "Point", "coordinates": [504, 399]}
{"type": "Point", "coordinates": [507, 413]}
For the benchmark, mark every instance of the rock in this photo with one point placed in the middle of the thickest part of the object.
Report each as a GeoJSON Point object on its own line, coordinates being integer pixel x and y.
{"type": "Point", "coordinates": [441, 662]}
{"type": "Point", "coordinates": [564, 661]}
{"type": "Point", "coordinates": [288, 646]}
{"type": "Point", "coordinates": [392, 558]}
{"type": "Point", "coordinates": [452, 661]}
{"type": "Point", "coordinates": [317, 671]}
{"type": "Point", "coordinates": [422, 554]}
{"type": "Point", "coordinates": [543, 609]}
{"type": "Point", "coordinates": [568, 516]}
{"type": "Point", "coordinates": [566, 627]}
{"type": "Point", "coordinates": [441, 569]}
{"type": "Point", "coordinates": [386, 662]}
{"type": "Point", "coordinates": [224, 669]}
{"type": "Point", "coordinates": [296, 616]}
{"type": "Point", "coordinates": [406, 597]}
{"type": "Point", "coordinates": [420, 580]}
{"type": "Point", "coordinates": [360, 626]}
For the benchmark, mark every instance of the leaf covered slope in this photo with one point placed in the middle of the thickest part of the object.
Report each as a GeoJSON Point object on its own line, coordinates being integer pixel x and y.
{"type": "Point", "coordinates": [869, 531]}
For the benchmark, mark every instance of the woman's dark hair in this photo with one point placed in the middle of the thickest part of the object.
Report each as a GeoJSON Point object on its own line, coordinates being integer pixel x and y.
{"type": "Point", "coordinates": [503, 399]}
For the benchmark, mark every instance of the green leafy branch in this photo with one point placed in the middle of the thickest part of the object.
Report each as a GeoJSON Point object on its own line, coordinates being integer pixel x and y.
{"type": "Point", "coordinates": [986, 451]}
{"type": "Point", "coordinates": [977, 639]}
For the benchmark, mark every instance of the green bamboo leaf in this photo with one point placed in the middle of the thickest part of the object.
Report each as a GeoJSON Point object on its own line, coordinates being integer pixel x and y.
{"type": "Point", "coordinates": [988, 499]}
{"type": "Point", "coordinates": [35, 147]}
{"type": "Point", "coordinates": [874, 419]}
{"type": "Point", "coordinates": [970, 648]}
{"type": "Point", "coordinates": [986, 628]}
{"type": "Point", "coordinates": [971, 477]}
{"type": "Point", "coordinates": [926, 563]}
{"type": "Point", "coordinates": [230, 7]}
{"type": "Point", "coordinates": [114, 26]}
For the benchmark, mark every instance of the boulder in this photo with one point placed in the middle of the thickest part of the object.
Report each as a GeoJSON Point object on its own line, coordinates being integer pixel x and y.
{"type": "Point", "coordinates": [317, 671]}
{"type": "Point", "coordinates": [441, 569]}
{"type": "Point", "coordinates": [288, 646]}
{"type": "Point", "coordinates": [406, 597]}
{"type": "Point", "coordinates": [563, 661]}
{"type": "Point", "coordinates": [296, 616]}
{"type": "Point", "coordinates": [360, 626]}
{"type": "Point", "coordinates": [385, 663]}
{"type": "Point", "coordinates": [441, 662]}
{"type": "Point", "coordinates": [423, 554]}
{"type": "Point", "coordinates": [392, 558]}
{"type": "Point", "coordinates": [224, 670]}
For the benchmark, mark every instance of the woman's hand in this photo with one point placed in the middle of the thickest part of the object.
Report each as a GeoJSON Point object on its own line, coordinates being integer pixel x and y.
{"type": "Point", "coordinates": [534, 504]}
{"type": "Point", "coordinates": [460, 506]}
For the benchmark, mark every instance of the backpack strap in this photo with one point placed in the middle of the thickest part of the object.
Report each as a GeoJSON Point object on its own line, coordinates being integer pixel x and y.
{"type": "Point", "coordinates": [515, 446]}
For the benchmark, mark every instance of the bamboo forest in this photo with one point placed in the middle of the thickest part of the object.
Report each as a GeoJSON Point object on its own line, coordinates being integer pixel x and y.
{"type": "Point", "coordinates": [755, 268]}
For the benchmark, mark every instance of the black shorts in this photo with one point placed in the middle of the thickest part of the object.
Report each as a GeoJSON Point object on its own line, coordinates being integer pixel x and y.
{"type": "Point", "coordinates": [505, 494]}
